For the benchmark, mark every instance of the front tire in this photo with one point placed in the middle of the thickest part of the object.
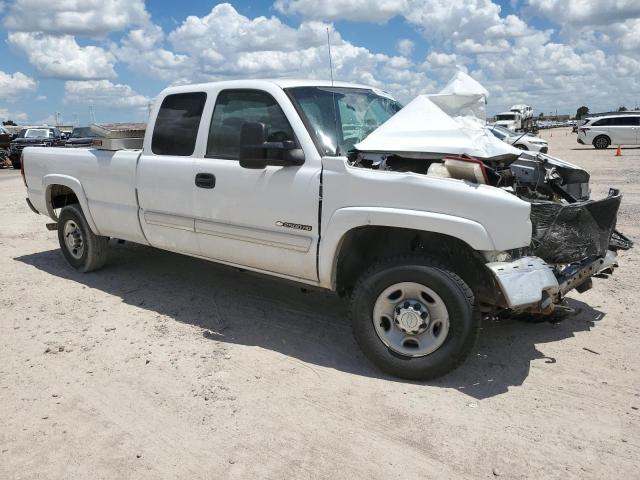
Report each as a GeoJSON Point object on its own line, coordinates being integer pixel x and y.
{"type": "Point", "coordinates": [414, 318]}
{"type": "Point", "coordinates": [521, 147]}
{"type": "Point", "coordinates": [84, 250]}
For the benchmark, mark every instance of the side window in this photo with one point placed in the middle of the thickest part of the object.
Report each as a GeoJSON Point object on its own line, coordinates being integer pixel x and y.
{"type": "Point", "coordinates": [176, 127]}
{"type": "Point", "coordinates": [625, 121]}
{"type": "Point", "coordinates": [602, 123]}
{"type": "Point", "coordinates": [237, 107]}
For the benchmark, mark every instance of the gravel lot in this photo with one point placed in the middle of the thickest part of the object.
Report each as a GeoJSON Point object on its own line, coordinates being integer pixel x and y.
{"type": "Point", "coordinates": [165, 366]}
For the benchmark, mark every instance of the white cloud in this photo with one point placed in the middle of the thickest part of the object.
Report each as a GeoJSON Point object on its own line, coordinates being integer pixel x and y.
{"type": "Point", "coordinates": [15, 84]}
{"type": "Point", "coordinates": [586, 12]}
{"type": "Point", "coordinates": [225, 44]}
{"type": "Point", "coordinates": [141, 49]}
{"type": "Point", "coordinates": [62, 57]}
{"type": "Point", "coordinates": [75, 17]}
{"type": "Point", "coordinates": [469, 46]}
{"type": "Point", "coordinates": [405, 47]}
{"type": "Point", "coordinates": [357, 10]}
{"type": "Point", "coordinates": [105, 93]}
{"type": "Point", "coordinates": [18, 117]}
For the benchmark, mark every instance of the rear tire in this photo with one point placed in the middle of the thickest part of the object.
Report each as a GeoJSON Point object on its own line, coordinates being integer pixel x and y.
{"type": "Point", "coordinates": [601, 142]}
{"type": "Point", "coordinates": [521, 147]}
{"type": "Point", "coordinates": [84, 250]}
{"type": "Point", "coordinates": [392, 339]}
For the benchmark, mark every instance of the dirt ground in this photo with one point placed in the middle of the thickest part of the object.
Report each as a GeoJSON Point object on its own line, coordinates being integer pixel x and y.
{"type": "Point", "coordinates": [165, 366]}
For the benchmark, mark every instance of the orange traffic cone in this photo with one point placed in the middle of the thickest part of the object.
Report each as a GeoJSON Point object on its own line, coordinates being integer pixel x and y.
{"type": "Point", "coordinates": [619, 152]}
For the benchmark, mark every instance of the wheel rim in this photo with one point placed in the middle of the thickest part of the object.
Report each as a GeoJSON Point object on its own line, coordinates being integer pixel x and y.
{"type": "Point", "coordinates": [601, 143]}
{"type": "Point", "coordinates": [411, 319]}
{"type": "Point", "coordinates": [73, 239]}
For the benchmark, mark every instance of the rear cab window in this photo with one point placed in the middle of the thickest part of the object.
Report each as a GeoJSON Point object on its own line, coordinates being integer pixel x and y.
{"type": "Point", "coordinates": [176, 128]}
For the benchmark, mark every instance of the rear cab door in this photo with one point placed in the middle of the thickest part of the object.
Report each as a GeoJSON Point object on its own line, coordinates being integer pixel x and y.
{"type": "Point", "coordinates": [165, 174]}
{"type": "Point", "coordinates": [265, 219]}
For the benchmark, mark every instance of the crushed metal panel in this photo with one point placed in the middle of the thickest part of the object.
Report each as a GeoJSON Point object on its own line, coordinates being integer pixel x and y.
{"type": "Point", "coordinates": [523, 281]}
{"type": "Point", "coordinates": [566, 233]}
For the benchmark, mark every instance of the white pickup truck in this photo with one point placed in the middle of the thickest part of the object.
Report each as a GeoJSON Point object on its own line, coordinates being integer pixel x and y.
{"type": "Point", "coordinates": [274, 176]}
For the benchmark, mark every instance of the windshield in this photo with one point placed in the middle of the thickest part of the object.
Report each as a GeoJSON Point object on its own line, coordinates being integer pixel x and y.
{"type": "Point", "coordinates": [341, 117]}
{"type": "Point", "coordinates": [82, 132]}
{"type": "Point", "coordinates": [37, 133]}
{"type": "Point", "coordinates": [506, 116]}
{"type": "Point", "coordinates": [502, 130]}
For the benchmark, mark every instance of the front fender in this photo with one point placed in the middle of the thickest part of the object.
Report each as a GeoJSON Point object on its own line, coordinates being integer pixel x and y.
{"type": "Point", "coordinates": [345, 219]}
{"type": "Point", "coordinates": [74, 184]}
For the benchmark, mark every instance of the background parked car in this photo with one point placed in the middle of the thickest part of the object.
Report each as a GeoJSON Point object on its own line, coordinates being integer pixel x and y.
{"type": "Point", "coordinates": [5, 140]}
{"type": "Point", "coordinates": [620, 129]}
{"type": "Point", "coordinates": [34, 137]}
{"type": "Point", "coordinates": [523, 141]}
{"type": "Point", "coordinates": [80, 137]}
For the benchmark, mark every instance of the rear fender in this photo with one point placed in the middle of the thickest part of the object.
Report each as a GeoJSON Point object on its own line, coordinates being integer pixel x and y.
{"type": "Point", "coordinates": [74, 184]}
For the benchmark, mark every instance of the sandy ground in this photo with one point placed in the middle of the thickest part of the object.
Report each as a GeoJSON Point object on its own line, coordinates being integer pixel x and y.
{"type": "Point", "coordinates": [164, 366]}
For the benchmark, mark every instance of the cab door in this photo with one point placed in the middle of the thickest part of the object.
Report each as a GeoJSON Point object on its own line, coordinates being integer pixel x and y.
{"type": "Point", "coordinates": [264, 219]}
{"type": "Point", "coordinates": [165, 174]}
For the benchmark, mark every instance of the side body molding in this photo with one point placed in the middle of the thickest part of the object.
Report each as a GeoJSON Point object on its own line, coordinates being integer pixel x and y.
{"type": "Point", "coordinates": [75, 185]}
{"type": "Point", "coordinates": [345, 219]}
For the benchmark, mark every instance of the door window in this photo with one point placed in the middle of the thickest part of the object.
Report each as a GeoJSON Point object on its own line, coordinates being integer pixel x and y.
{"type": "Point", "coordinates": [176, 128]}
{"type": "Point", "coordinates": [233, 109]}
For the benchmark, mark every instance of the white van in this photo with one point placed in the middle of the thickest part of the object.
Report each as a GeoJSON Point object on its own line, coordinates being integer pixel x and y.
{"type": "Point", "coordinates": [621, 129]}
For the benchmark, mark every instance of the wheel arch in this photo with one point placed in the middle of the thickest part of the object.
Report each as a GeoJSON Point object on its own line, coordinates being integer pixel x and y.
{"type": "Point", "coordinates": [346, 254]}
{"type": "Point", "coordinates": [61, 190]}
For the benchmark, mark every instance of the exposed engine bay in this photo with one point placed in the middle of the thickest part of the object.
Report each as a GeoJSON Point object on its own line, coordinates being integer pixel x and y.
{"type": "Point", "coordinates": [567, 225]}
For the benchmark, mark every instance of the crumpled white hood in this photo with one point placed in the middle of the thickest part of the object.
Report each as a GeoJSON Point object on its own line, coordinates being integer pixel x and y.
{"type": "Point", "coordinates": [450, 122]}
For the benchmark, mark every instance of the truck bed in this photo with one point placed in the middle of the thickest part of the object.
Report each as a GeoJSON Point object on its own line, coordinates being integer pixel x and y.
{"type": "Point", "coordinates": [106, 180]}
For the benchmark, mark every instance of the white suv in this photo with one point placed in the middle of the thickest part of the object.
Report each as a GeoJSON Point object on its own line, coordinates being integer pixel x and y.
{"type": "Point", "coordinates": [621, 129]}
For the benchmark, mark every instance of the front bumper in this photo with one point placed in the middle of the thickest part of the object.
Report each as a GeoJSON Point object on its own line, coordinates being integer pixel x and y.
{"type": "Point", "coordinates": [580, 141]}
{"type": "Point", "coordinates": [530, 284]}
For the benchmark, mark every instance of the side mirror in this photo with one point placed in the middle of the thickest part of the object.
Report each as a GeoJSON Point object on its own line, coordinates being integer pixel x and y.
{"type": "Point", "coordinates": [256, 152]}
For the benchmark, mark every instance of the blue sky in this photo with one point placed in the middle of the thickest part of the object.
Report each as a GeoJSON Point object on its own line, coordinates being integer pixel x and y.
{"type": "Point", "coordinates": [118, 54]}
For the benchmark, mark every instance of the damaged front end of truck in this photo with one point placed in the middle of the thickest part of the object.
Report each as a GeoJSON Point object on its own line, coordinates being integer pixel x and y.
{"type": "Point", "coordinates": [573, 238]}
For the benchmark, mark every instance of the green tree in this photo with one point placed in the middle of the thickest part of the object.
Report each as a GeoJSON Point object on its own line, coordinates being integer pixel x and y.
{"type": "Point", "coordinates": [541, 115]}
{"type": "Point", "coordinates": [582, 111]}
{"type": "Point", "coordinates": [623, 109]}
{"type": "Point", "coordinates": [9, 123]}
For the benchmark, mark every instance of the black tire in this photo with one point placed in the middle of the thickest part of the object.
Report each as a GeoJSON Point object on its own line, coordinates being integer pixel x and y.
{"type": "Point", "coordinates": [94, 247]}
{"type": "Point", "coordinates": [464, 318]}
{"type": "Point", "coordinates": [16, 164]}
{"type": "Point", "coordinates": [601, 142]}
{"type": "Point", "coordinates": [521, 147]}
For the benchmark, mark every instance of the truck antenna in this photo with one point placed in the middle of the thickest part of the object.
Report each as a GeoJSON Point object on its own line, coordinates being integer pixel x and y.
{"type": "Point", "coordinates": [330, 62]}
{"type": "Point", "coordinates": [333, 95]}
